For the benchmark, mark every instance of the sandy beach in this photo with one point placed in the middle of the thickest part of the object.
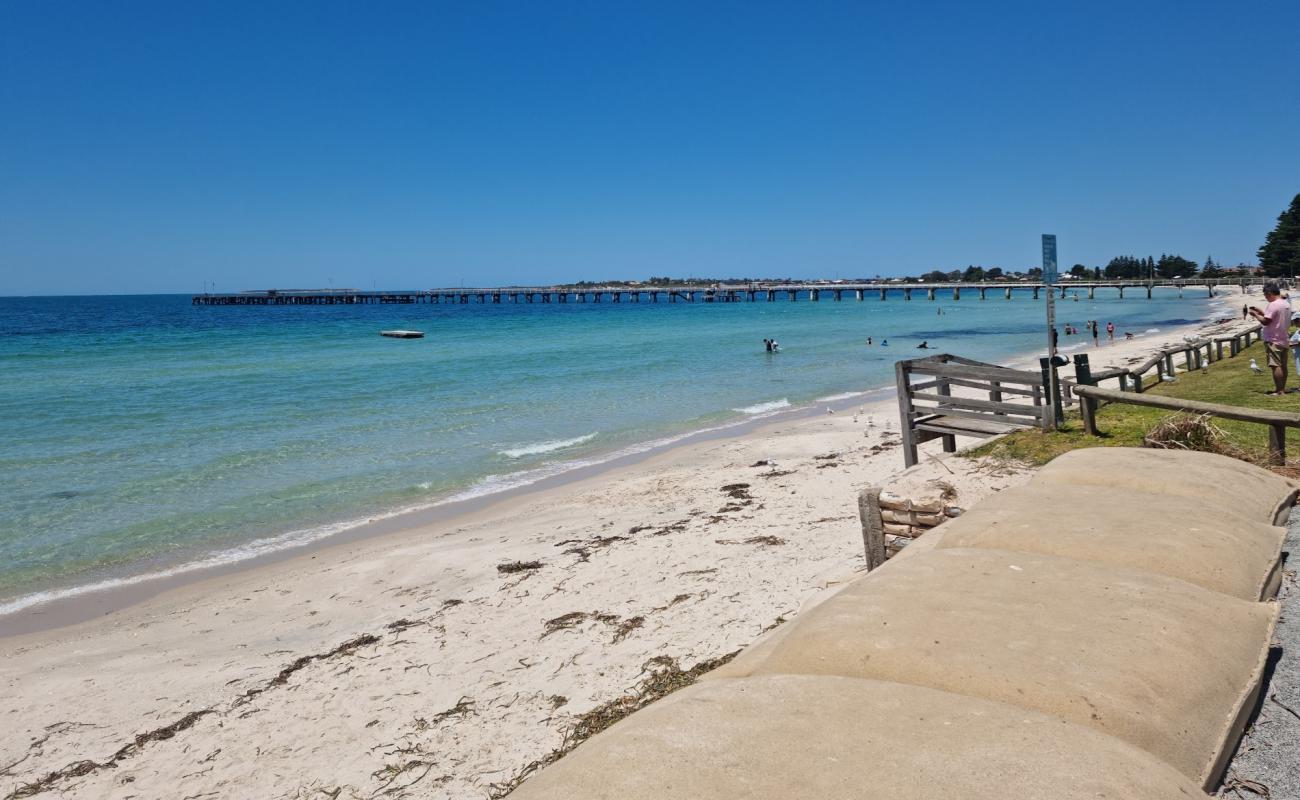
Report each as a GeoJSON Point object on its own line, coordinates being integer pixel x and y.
{"type": "Point", "coordinates": [440, 660]}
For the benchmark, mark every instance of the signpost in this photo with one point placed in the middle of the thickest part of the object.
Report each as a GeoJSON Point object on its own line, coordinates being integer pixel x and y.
{"type": "Point", "coordinates": [1049, 282]}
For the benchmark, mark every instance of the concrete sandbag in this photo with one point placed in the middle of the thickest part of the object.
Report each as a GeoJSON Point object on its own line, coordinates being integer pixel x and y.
{"type": "Point", "coordinates": [788, 737]}
{"type": "Point", "coordinates": [1160, 663]}
{"type": "Point", "coordinates": [1231, 485]}
{"type": "Point", "coordinates": [1182, 537]}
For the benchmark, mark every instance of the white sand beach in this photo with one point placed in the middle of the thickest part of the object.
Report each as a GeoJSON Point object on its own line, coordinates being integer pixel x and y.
{"type": "Point", "coordinates": [412, 664]}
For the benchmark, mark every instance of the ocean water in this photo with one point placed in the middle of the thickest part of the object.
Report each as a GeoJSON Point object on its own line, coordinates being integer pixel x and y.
{"type": "Point", "coordinates": [143, 434]}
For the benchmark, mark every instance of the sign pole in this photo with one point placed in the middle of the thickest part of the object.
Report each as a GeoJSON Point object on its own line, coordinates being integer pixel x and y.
{"type": "Point", "coordinates": [1049, 282]}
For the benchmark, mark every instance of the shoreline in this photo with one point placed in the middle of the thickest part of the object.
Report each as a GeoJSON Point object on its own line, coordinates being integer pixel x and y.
{"type": "Point", "coordinates": [70, 607]}
{"type": "Point", "coordinates": [49, 609]}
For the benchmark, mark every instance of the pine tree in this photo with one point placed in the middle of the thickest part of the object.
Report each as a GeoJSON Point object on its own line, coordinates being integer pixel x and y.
{"type": "Point", "coordinates": [1280, 254]}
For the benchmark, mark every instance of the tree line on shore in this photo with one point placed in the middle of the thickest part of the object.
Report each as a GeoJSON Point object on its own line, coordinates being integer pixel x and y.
{"type": "Point", "coordinates": [1279, 256]}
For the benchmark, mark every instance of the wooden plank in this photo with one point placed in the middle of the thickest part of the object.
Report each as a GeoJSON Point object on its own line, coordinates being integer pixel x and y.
{"type": "Point", "coordinates": [901, 373]}
{"type": "Point", "coordinates": [873, 531]}
{"type": "Point", "coordinates": [989, 419]}
{"type": "Point", "coordinates": [987, 386]}
{"type": "Point", "coordinates": [977, 373]}
{"type": "Point", "coordinates": [1151, 362]}
{"type": "Point", "coordinates": [977, 426]}
{"type": "Point", "coordinates": [973, 404]}
{"type": "Point", "coordinates": [1264, 416]}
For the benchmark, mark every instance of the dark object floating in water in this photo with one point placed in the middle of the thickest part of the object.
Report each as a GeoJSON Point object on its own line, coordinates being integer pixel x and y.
{"type": "Point", "coordinates": [403, 334]}
{"type": "Point", "coordinates": [66, 494]}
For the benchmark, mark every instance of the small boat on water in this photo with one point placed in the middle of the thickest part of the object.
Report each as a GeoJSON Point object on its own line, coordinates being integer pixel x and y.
{"type": "Point", "coordinates": [403, 334]}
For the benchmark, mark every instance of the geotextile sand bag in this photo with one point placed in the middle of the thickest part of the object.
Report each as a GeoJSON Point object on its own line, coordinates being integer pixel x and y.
{"type": "Point", "coordinates": [782, 737]}
{"type": "Point", "coordinates": [1162, 664]}
{"type": "Point", "coordinates": [1229, 484]}
{"type": "Point", "coordinates": [1182, 537]}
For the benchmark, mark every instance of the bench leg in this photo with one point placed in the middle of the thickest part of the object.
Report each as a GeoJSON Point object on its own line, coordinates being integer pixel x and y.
{"type": "Point", "coordinates": [949, 443]}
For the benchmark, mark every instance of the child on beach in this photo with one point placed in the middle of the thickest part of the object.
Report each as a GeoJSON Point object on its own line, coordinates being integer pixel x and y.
{"type": "Point", "coordinates": [1295, 345]}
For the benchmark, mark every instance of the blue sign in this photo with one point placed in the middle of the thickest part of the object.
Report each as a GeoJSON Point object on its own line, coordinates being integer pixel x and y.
{"type": "Point", "coordinates": [1049, 258]}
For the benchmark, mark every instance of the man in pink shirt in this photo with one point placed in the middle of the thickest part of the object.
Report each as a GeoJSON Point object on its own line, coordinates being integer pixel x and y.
{"type": "Point", "coordinates": [1275, 318]}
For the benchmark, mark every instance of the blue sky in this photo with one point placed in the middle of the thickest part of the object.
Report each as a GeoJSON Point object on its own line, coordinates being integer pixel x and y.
{"type": "Point", "coordinates": [149, 147]}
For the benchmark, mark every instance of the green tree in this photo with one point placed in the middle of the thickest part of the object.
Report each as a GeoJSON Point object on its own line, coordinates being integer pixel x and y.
{"type": "Point", "coordinates": [994, 274]}
{"type": "Point", "coordinates": [934, 276]}
{"type": "Point", "coordinates": [1096, 273]}
{"type": "Point", "coordinates": [1171, 266]}
{"type": "Point", "coordinates": [973, 274]}
{"type": "Point", "coordinates": [1079, 271]}
{"type": "Point", "coordinates": [1280, 254]}
{"type": "Point", "coordinates": [1126, 268]}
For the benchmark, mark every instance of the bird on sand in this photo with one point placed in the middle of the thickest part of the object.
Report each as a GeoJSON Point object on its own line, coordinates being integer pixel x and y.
{"type": "Point", "coordinates": [1255, 368]}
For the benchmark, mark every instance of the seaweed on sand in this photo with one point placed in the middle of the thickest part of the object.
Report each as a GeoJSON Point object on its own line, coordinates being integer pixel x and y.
{"type": "Point", "coordinates": [664, 678]}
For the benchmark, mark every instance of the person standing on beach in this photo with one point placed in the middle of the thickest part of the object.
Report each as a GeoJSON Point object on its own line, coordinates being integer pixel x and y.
{"type": "Point", "coordinates": [1245, 311]}
{"type": "Point", "coordinates": [1110, 331]}
{"type": "Point", "coordinates": [1096, 340]}
{"type": "Point", "coordinates": [1275, 318]}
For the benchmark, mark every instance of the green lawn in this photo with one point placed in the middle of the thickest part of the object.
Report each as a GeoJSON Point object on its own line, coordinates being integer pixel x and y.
{"type": "Point", "coordinates": [1229, 381]}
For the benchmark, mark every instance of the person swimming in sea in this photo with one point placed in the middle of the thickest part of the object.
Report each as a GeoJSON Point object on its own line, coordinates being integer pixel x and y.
{"type": "Point", "coordinates": [923, 346]}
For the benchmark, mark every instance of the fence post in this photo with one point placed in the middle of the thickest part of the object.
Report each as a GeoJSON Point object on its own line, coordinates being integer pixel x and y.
{"type": "Point", "coordinates": [1082, 371]}
{"type": "Point", "coordinates": [873, 527]}
{"type": "Point", "coordinates": [1087, 405]}
{"type": "Point", "coordinates": [1277, 444]}
{"type": "Point", "coordinates": [1052, 414]}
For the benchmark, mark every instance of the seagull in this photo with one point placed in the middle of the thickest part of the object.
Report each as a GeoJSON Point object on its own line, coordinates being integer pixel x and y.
{"type": "Point", "coordinates": [1255, 368]}
{"type": "Point", "coordinates": [830, 410]}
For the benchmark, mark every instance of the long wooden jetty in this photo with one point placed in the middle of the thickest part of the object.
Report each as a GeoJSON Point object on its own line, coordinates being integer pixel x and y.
{"type": "Point", "coordinates": [813, 291]}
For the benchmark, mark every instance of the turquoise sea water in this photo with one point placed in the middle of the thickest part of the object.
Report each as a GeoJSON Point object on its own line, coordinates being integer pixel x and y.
{"type": "Point", "coordinates": [142, 433]}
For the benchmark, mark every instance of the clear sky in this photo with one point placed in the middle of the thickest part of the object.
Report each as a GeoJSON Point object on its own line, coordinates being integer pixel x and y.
{"type": "Point", "coordinates": [153, 146]}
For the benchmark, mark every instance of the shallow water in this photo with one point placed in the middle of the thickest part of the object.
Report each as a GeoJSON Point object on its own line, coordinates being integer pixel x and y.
{"type": "Point", "coordinates": [142, 432]}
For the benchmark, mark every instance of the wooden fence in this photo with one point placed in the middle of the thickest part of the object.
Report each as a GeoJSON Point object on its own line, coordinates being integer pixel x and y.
{"type": "Point", "coordinates": [1277, 421]}
{"type": "Point", "coordinates": [1193, 355]}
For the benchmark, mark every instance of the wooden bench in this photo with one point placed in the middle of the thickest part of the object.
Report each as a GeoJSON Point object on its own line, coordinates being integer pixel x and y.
{"type": "Point", "coordinates": [928, 409]}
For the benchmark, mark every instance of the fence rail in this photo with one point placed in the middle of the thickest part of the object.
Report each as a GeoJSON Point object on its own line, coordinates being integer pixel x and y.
{"type": "Point", "coordinates": [1277, 421]}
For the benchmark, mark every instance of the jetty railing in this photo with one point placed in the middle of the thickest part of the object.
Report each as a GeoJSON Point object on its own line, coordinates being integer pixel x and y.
{"type": "Point", "coordinates": [719, 292]}
{"type": "Point", "coordinates": [928, 409]}
{"type": "Point", "coordinates": [1277, 421]}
